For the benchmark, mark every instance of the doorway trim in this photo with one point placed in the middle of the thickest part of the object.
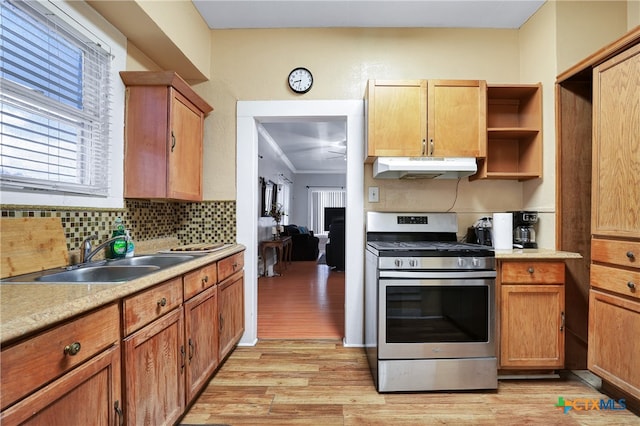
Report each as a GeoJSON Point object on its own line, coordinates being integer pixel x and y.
{"type": "Point", "coordinates": [248, 115]}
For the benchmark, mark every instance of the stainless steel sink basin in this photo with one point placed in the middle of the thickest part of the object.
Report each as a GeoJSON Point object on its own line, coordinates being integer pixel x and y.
{"type": "Point", "coordinates": [161, 260]}
{"type": "Point", "coordinates": [99, 274]}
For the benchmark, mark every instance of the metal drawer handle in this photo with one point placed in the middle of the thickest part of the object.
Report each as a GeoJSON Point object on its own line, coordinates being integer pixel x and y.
{"type": "Point", "coordinates": [562, 323]}
{"type": "Point", "coordinates": [631, 285]}
{"type": "Point", "coordinates": [72, 349]}
{"type": "Point", "coordinates": [530, 270]}
{"type": "Point", "coordinates": [630, 255]}
{"type": "Point", "coordinates": [162, 302]}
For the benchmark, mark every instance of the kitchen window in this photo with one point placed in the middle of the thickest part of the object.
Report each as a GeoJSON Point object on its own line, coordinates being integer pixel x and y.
{"type": "Point", "coordinates": [56, 105]}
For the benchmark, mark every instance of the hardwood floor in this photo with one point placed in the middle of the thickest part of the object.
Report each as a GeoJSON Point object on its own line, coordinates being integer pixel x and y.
{"type": "Point", "coordinates": [320, 382]}
{"type": "Point", "coordinates": [305, 302]}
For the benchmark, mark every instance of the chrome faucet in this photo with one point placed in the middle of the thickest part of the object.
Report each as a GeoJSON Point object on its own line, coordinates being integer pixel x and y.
{"type": "Point", "coordinates": [87, 252]}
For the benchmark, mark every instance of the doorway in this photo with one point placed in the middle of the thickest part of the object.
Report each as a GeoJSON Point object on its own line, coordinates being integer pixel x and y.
{"type": "Point", "coordinates": [249, 114]}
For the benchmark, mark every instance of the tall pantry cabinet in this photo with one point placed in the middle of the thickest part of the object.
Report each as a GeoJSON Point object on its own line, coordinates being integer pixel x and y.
{"type": "Point", "coordinates": [614, 299]}
{"type": "Point", "coordinates": [598, 190]}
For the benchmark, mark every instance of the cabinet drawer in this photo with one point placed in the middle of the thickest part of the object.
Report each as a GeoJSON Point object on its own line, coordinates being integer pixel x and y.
{"type": "Point", "coordinates": [532, 273]}
{"type": "Point", "coordinates": [621, 281]}
{"type": "Point", "coordinates": [33, 363]}
{"type": "Point", "coordinates": [198, 280]}
{"type": "Point", "coordinates": [623, 253]}
{"type": "Point", "coordinates": [142, 308]}
{"type": "Point", "coordinates": [229, 265]}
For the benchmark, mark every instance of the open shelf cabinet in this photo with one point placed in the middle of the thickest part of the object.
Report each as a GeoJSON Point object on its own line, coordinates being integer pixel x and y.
{"type": "Point", "coordinates": [514, 133]}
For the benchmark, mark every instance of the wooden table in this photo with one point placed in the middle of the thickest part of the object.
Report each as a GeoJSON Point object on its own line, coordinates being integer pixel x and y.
{"type": "Point", "coordinates": [283, 247]}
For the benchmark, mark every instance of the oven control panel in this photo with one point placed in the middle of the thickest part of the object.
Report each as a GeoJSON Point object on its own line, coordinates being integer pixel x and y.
{"type": "Point", "coordinates": [413, 220]}
{"type": "Point", "coordinates": [437, 263]}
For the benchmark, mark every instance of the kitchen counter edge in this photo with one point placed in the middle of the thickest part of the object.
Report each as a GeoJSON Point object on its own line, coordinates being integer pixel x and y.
{"type": "Point", "coordinates": [541, 254]}
{"type": "Point", "coordinates": [28, 308]}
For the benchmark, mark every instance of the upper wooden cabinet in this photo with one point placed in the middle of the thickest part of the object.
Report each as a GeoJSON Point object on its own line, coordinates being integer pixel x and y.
{"type": "Point", "coordinates": [412, 118]}
{"type": "Point", "coordinates": [616, 146]}
{"type": "Point", "coordinates": [164, 129]}
{"type": "Point", "coordinates": [514, 133]}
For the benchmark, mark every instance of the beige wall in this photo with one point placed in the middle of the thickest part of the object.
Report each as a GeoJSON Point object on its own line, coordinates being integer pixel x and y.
{"type": "Point", "coordinates": [254, 64]}
{"type": "Point", "coordinates": [583, 27]}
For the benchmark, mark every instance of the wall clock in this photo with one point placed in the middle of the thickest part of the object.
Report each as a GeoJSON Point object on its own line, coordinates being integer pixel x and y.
{"type": "Point", "coordinates": [300, 80]}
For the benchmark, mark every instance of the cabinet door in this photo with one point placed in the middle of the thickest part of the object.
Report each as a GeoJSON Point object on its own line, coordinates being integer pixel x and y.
{"type": "Point", "coordinates": [457, 118]}
{"type": "Point", "coordinates": [87, 395]}
{"type": "Point", "coordinates": [231, 312]}
{"type": "Point", "coordinates": [154, 372]}
{"type": "Point", "coordinates": [397, 118]}
{"type": "Point", "coordinates": [184, 180]}
{"type": "Point", "coordinates": [201, 333]}
{"type": "Point", "coordinates": [532, 326]}
{"type": "Point", "coordinates": [614, 347]}
{"type": "Point", "coordinates": [616, 146]}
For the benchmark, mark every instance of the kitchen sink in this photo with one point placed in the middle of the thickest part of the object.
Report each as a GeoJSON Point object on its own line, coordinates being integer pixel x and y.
{"type": "Point", "coordinates": [161, 260]}
{"type": "Point", "coordinates": [99, 274]}
{"type": "Point", "coordinates": [105, 271]}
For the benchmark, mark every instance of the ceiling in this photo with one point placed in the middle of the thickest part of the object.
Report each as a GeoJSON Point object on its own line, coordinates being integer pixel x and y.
{"type": "Point", "coordinates": [319, 146]}
{"type": "Point", "coordinates": [221, 14]}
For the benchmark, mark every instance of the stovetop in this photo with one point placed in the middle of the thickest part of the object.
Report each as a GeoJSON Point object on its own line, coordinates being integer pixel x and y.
{"type": "Point", "coordinates": [429, 248]}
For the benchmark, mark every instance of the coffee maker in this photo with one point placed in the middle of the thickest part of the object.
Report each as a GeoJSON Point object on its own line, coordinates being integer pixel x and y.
{"type": "Point", "coordinates": [524, 233]}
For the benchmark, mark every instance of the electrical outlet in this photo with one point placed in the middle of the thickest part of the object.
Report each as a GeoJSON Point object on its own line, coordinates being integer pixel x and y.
{"type": "Point", "coordinates": [374, 194]}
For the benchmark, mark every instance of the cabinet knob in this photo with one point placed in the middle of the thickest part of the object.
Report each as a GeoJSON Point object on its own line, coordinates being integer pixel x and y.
{"type": "Point", "coordinates": [205, 280]}
{"type": "Point", "coordinates": [162, 302]}
{"type": "Point", "coordinates": [631, 285]}
{"type": "Point", "coordinates": [530, 270]}
{"type": "Point", "coordinates": [72, 349]}
{"type": "Point", "coordinates": [630, 255]}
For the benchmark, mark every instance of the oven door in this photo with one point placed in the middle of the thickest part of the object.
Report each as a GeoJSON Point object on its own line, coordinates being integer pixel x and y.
{"type": "Point", "coordinates": [422, 318]}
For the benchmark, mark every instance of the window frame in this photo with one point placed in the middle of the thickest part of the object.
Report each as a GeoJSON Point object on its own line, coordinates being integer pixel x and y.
{"type": "Point", "coordinates": [91, 24]}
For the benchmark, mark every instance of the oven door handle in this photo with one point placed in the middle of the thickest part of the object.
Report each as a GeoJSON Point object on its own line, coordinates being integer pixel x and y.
{"type": "Point", "coordinates": [441, 275]}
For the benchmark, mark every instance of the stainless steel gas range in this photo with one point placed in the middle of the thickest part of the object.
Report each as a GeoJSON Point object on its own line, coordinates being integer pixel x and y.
{"type": "Point", "coordinates": [429, 305]}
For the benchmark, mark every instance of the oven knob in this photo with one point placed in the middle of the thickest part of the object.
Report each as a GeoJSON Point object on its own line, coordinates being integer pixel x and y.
{"type": "Point", "coordinates": [475, 261]}
{"type": "Point", "coordinates": [398, 263]}
{"type": "Point", "coordinates": [412, 263]}
{"type": "Point", "coordinates": [461, 262]}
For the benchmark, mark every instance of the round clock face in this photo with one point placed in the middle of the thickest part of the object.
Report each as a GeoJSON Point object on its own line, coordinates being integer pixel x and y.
{"type": "Point", "coordinates": [300, 80]}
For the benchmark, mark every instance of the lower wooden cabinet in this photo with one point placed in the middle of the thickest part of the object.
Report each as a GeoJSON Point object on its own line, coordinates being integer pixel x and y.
{"type": "Point", "coordinates": [231, 312]}
{"type": "Point", "coordinates": [614, 340]}
{"type": "Point", "coordinates": [531, 315]}
{"type": "Point", "coordinates": [154, 363]}
{"type": "Point", "coordinates": [69, 374]}
{"type": "Point", "coordinates": [88, 395]}
{"type": "Point", "coordinates": [140, 361]}
{"type": "Point", "coordinates": [201, 333]}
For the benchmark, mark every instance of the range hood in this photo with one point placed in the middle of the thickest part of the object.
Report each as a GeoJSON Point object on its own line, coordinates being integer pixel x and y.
{"type": "Point", "coordinates": [423, 167]}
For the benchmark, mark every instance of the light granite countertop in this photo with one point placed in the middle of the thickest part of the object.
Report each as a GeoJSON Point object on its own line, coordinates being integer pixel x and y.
{"type": "Point", "coordinates": [26, 307]}
{"type": "Point", "coordinates": [532, 254]}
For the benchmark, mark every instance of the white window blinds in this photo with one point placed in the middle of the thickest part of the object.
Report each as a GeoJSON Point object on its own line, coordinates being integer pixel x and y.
{"type": "Point", "coordinates": [54, 104]}
{"type": "Point", "coordinates": [321, 198]}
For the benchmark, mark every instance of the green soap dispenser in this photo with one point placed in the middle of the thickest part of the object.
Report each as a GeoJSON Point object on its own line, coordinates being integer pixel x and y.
{"type": "Point", "coordinates": [118, 248]}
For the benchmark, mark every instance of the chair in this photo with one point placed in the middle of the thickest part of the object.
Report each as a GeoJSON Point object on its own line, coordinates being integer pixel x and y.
{"type": "Point", "coordinates": [335, 247]}
{"type": "Point", "coordinates": [304, 243]}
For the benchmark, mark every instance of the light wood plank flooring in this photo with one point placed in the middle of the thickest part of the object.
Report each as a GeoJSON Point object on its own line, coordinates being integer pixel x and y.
{"type": "Point", "coordinates": [306, 301]}
{"type": "Point", "coordinates": [299, 373]}
{"type": "Point", "coordinates": [319, 382]}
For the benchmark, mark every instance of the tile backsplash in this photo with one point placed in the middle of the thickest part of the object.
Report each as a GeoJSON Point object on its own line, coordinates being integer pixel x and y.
{"type": "Point", "coordinates": [210, 221]}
